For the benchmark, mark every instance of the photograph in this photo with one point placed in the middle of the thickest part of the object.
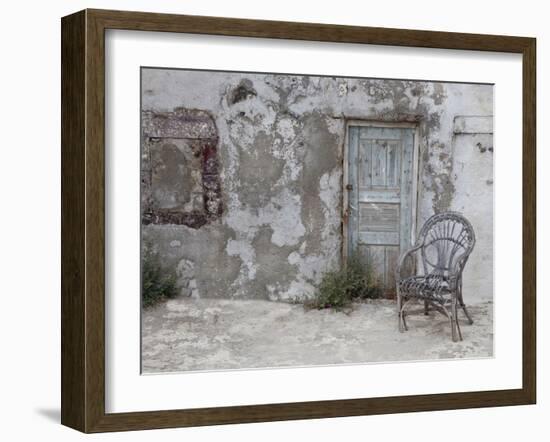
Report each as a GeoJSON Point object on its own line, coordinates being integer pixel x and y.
{"type": "Point", "coordinates": [297, 220]}
{"type": "Point", "coordinates": [270, 221]}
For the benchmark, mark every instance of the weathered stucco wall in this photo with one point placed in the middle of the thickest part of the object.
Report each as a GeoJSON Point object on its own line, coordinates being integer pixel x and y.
{"type": "Point", "coordinates": [268, 150]}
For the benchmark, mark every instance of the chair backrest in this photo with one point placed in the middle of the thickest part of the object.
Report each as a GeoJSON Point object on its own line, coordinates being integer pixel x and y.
{"type": "Point", "coordinates": [447, 240]}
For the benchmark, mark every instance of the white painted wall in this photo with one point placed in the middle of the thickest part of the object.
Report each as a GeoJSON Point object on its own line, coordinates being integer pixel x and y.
{"type": "Point", "coordinates": [300, 186]}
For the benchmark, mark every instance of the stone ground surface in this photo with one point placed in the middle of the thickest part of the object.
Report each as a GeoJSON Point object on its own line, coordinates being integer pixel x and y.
{"type": "Point", "coordinates": [214, 334]}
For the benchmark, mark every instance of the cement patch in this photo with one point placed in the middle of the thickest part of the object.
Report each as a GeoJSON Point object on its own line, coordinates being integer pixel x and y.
{"type": "Point", "coordinates": [218, 334]}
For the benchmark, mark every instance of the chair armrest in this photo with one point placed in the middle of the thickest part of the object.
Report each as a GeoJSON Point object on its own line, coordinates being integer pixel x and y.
{"type": "Point", "coordinates": [402, 259]}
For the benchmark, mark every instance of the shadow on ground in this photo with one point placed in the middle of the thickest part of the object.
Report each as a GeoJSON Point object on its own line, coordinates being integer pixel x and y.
{"type": "Point", "coordinates": [51, 414]}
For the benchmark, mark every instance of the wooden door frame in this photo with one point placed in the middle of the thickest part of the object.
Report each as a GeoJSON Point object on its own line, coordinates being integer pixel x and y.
{"type": "Point", "coordinates": [345, 172]}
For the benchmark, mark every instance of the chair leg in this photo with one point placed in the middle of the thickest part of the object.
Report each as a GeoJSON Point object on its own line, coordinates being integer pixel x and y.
{"type": "Point", "coordinates": [426, 308]}
{"type": "Point", "coordinates": [402, 324]}
{"type": "Point", "coordinates": [462, 305]}
{"type": "Point", "coordinates": [458, 329]}
{"type": "Point", "coordinates": [401, 318]}
{"type": "Point", "coordinates": [470, 320]}
{"type": "Point", "coordinates": [455, 327]}
{"type": "Point", "coordinates": [453, 330]}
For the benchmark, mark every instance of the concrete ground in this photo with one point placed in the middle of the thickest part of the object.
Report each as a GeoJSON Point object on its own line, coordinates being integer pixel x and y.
{"type": "Point", "coordinates": [213, 334]}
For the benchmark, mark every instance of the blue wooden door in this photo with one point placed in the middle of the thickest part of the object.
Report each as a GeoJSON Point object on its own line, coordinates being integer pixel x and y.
{"type": "Point", "coordinates": [380, 196]}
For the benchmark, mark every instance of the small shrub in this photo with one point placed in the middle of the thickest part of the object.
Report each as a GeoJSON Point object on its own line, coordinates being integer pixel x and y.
{"type": "Point", "coordinates": [339, 288]}
{"type": "Point", "coordinates": [156, 284]}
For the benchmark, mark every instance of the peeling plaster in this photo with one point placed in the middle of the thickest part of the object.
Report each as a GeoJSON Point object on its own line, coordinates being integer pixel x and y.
{"type": "Point", "coordinates": [279, 160]}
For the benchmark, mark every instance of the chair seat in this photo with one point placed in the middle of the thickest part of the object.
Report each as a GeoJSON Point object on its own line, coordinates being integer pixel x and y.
{"type": "Point", "coordinates": [430, 287]}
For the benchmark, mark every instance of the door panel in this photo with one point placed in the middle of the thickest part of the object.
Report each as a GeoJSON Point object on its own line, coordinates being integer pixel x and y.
{"type": "Point", "coordinates": [376, 255]}
{"type": "Point", "coordinates": [380, 200]}
{"type": "Point", "coordinates": [392, 256]}
{"type": "Point", "coordinates": [378, 217]}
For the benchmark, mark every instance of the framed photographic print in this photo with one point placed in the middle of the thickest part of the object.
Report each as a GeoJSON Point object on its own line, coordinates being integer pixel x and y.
{"type": "Point", "coordinates": [270, 220]}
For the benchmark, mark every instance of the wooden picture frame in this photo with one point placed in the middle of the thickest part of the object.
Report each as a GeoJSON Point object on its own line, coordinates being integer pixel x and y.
{"type": "Point", "coordinates": [83, 220]}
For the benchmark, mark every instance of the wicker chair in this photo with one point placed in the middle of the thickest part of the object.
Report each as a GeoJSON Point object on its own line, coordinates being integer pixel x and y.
{"type": "Point", "coordinates": [443, 246]}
